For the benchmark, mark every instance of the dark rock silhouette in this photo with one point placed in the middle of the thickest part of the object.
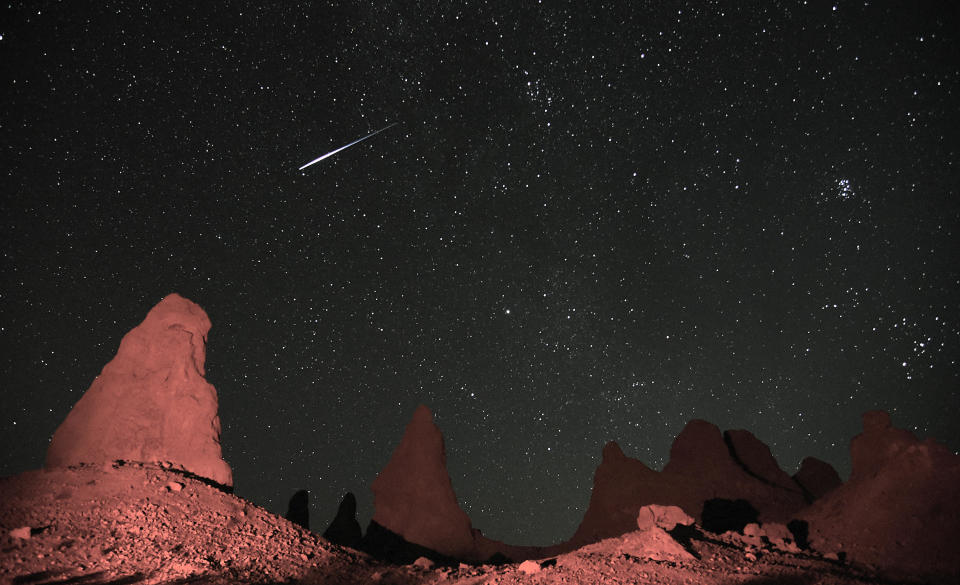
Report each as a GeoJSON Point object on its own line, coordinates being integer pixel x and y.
{"type": "Point", "coordinates": [817, 478]}
{"type": "Point", "coordinates": [298, 510]}
{"type": "Point", "coordinates": [413, 496]}
{"type": "Point", "coordinates": [899, 511]}
{"type": "Point", "coordinates": [704, 464]}
{"type": "Point", "coordinates": [151, 403]}
{"type": "Point", "coordinates": [800, 530]}
{"type": "Point", "coordinates": [387, 545]}
{"type": "Point", "coordinates": [721, 515]}
{"type": "Point", "coordinates": [344, 529]}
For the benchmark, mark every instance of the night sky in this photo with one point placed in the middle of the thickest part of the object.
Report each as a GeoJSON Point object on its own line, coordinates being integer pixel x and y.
{"type": "Point", "coordinates": [591, 221]}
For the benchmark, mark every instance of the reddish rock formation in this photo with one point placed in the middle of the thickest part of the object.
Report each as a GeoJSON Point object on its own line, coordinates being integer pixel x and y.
{"type": "Point", "coordinates": [878, 442]}
{"type": "Point", "coordinates": [757, 460]}
{"type": "Point", "coordinates": [621, 486]}
{"type": "Point", "coordinates": [817, 478]}
{"type": "Point", "coordinates": [413, 496]}
{"type": "Point", "coordinates": [662, 517]}
{"type": "Point", "coordinates": [703, 466]}
{"type": "Point", "coordinates": [416, 511]}
{"type": "Point", "coordinates": [151, 403]}
{"type": "Point", "coordinates": [899, 511]}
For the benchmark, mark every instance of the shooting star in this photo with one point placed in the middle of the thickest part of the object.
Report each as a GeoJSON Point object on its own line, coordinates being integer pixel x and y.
{"type": "Point", "coordinates": [333, 152]}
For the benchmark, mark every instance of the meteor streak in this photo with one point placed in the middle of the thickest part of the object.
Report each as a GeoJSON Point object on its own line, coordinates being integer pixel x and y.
{"type": "Point", "coordinates": [333, 152]}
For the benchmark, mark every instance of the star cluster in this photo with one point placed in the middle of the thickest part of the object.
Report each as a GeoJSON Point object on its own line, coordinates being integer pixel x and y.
{"type": "Point", "coordinates": [592, 221]}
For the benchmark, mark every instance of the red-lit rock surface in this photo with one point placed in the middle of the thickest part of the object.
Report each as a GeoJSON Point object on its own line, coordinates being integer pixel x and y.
{"type": "Point", "coordinates": [702, 458]}
{"type": "Point", "coordinates": [899, 511]}
{"type": "Point", "coordinates": [817, 477]}
{"type": "Point", "coordinates": [663, 517]}
{"type": "Point", "coordinates": [151, 403]}
{"type": "Point", "coordinates": [413, 496]}
{"type": "Point", "coordinates": [99, 524]}
{"type": "Point", "coordinates": [703, 465]}
{"type": "Point", "coordinates": [757, 460]}
{"type": "Point", "coordinates": [878, 442]}
{"type": "Point", "coordinates": [146, 525]}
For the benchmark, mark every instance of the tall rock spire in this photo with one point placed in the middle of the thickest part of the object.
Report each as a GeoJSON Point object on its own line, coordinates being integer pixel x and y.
{"type": "Point", "coordinates": [151, 403]}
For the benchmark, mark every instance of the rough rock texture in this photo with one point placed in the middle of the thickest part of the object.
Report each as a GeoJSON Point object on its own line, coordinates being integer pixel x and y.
{"type": "Point", "coordinates": [344, 529]}
{"type": "Point", "coordinates": [416, 511]}
{"type": "Point", "coordinates": [663, 517]}
{"type": "Point", "coordinates": [413, 496]}
{"type": "Point", "coordinates": [703, 466]}
{"type": "Point", "coordinates": [103, 525]}
{"type": "Point", "coordinates": [757, 460]}
{"type": "Point", "coordinates": [878, 442]}
{"type": "Point", "coordinates": [817, 478]}
{"type": "Point", "coordinates": [699, 449]}
{"type": "Point", "coordinates": [651, 544]}
{"type": "Point", "coordinates": [151, 403]}
{"type": "Point", "coordinates": [298, 509]}
{"type": "Point", "coordinates": [899, 511]}
{"type": "Point", "coordinates": [122, 524]}
{"type": "Point", "coordinates": [621, 486]}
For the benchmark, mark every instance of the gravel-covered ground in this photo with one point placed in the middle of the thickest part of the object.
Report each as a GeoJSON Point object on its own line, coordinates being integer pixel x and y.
{"type": "Point", "coordinates": [138, 524]}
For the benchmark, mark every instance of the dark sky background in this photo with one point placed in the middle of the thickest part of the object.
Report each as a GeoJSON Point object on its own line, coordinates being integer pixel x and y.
{"type": "Point", "coordinates": [592, 221]}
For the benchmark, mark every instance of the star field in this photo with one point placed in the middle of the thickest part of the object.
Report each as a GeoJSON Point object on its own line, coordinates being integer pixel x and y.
{"type": "Point", "coordinates": [591, 222]}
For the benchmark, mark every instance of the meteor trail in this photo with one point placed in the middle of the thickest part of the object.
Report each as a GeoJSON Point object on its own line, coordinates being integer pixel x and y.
{"type": "Point", "coordinates": [333, 152]}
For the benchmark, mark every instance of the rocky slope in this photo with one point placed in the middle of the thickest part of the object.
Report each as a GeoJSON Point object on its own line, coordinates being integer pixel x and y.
{"type": "Point", "coordinates": [139, 524]}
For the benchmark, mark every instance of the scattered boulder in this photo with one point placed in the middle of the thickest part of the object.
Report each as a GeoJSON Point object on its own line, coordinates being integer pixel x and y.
{"type": "Point", "coordinates": [344, 529]}
{"type": "Point", "coordinates": [753, 535]}
{"type": "Point", "coordinates": [817, 478]}
{"type": "Point", "coordinates": [151, 403]}
{"type": "Point", "coordinates": [413, 496]}
{"type": "Point", "coordinates": [22, 533]}
{"type": "Point", "coordinates": [529, 567]}
{"type": "Point", "coordinates": [424, 563]}
{"type": "Point", "coordinates": [663, 517]}
{"type": "Point", "coordinates": [780, 537]}
{"type": "Point", "coordinates": [298, 509]}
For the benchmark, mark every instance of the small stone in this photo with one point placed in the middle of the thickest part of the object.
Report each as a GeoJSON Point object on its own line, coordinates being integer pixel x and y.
{"type": "Point", "coordinates": [529, 567]}
{"type": "Point", "coordinates": [22, 533]}
{"type": "Point", "coordinates": [174, 486]}
{"type": "Point", "coordinates": [750, 557]}
{"type": "Point", "coordinates": [423, 563]}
